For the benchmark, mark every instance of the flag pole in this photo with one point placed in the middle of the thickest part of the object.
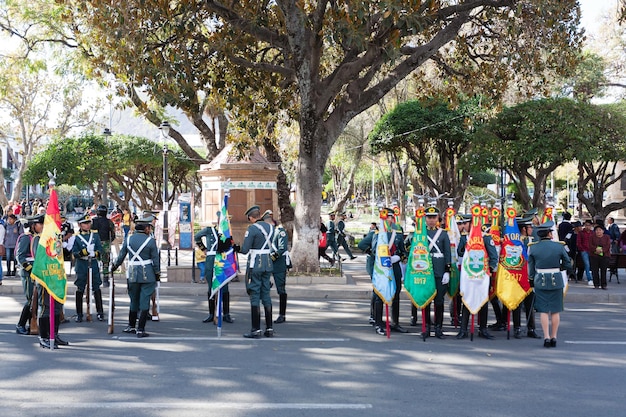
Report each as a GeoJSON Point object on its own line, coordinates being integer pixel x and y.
{"type": "Point", "coordinates": [218, 300]}
{"type": "Point", "coordinates": [52, 336]}
{"type": "Point", "coordinates": [472, 329]}
{"type": "Point", "coordinates": [388, 326]}
{"type": "Point", "coordinates": [508, 324]}
{"type": "Point", "coordinates": [424, 335]}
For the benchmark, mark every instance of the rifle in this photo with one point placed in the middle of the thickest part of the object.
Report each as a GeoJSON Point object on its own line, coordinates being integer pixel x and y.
{"type": "Point", "coordinates": [34, 304]}
{"type": "Point", "coordinates": [155, 303]}
{"type": "Point", "coordinates": [111, 300]}
{"type": "Point", "coordinates": [88, 291]}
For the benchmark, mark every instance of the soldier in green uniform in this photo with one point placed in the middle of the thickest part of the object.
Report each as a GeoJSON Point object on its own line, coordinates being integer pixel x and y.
{"type": "Point", "coordinates": [211, 245]}
{"type": "Point", "coordinates": [144, 270]}
{"type": "Point", "coordinates": [398, 253]}
{"type": "Point", "coordinates": [439, 244]}
{"type": "Point", "coordinates": [492, 259]}
{"type": "Point", "coordinates": [546, 260]}
{"type": "Point", "coordinates": [365, 246]}
{"type": "Point", "coordinates": [86, 250]}
{"type": "Point", "coordinates": [341, 235]}
{"type": "Point", "coordinates": [105, 228]}
{"type": "Point", "coordinates": [526, 232]}
{"type": "Point", "coordinates": [258, 243]}
{"type": "Point", "coordinates": [25, 254]}
{"type": "Point", "coordinates": [281, 262]}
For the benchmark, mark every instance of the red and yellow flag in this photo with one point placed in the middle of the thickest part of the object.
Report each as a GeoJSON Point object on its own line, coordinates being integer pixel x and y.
{"type": "Point", "coordinates": [513, 285]}
{"type": "Point", "coordinates": [48, 269]}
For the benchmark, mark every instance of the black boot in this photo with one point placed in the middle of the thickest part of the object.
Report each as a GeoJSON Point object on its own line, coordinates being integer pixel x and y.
{"type": "Point", "coordinates": [282, 309]}
{"type": "Point", "coordinates": [211, 315]}
{"type": "Point", "coordinates": [132, 322]}
{"type": "Point", "coordinates": [44, 333]}
{"type": "Point", "coordinates": [439, 332]}
{"type": "Point", "coordinates": [98, 296]}
{"type": "Point", "coordinates": [439, 322]}
{"type": "Point", "coordinates": [517, 333]}
{"type": "Point", "coordinates": [79, 306]}
{"type": "Point", "coordinates": [141, 327]}
{"type": "Point", "coordinates": [269, 330]}
{"type": "Point", "coordinates": [226, 305]}
{"type": "Point", "coordinates": [255, 330]}
{"type": "Point", "coordinates": [20, 327]}
{"type": "Point", "coordinates": [57, 338]}
{"type": "Point", "coordinates": [464, 322]}
{"type": "Point", "coordinates": [413, 315]}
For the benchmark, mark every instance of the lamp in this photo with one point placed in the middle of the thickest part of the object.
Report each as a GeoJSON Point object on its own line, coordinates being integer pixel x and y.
{"type": "Point", "coordinates": [105, 192]}
{"type": "Point", "coordinates": [165, 133]}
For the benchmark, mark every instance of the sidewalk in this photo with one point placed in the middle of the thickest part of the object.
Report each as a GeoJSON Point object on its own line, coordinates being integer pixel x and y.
{"type": "Point", "coordinates": [354, 284]}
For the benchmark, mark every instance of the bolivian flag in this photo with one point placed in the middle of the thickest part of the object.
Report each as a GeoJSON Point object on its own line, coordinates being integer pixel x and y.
{"type": "Point", "coordinates": [48, 269]}
{"type": "Point", "coordinates": [475, 280]}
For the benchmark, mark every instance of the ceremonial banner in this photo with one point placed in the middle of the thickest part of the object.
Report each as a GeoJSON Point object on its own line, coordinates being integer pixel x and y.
{"type": "Point", "coordinates": [475, 279]}
{"type": "Point", "coordinates": [419, 280]}
{"type": "Point", "coordinates": [48, 269]}
{"type": "Point", "coordinates": [512, 275]}
{"type": "Point", "coordinates": [455, 236]}
{"type": "Point", "coordinates": [225, 265]}
{"type": "Point", "coordinates": [382, 276]}
{"type": "Point", "coordinates": [495, 228]}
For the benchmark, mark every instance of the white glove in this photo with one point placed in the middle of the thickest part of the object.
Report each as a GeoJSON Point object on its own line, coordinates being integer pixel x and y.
{"type": "Point", "coordinates": [395, 259]}
{"type": "Point", "coordinates": [91, 248]}
{"type": "Point", "coordinates": [446, 278]}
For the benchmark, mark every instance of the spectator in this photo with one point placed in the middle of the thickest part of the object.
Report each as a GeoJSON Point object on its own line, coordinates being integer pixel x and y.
{"type": "Point", "coordinates": [565, 226]}
{"type": "Point", "coordinates": [614, 234]}
{"type": "Point", "coordinates": [583, 243]}
{"type": "Point", "coordinates": [599, 257]}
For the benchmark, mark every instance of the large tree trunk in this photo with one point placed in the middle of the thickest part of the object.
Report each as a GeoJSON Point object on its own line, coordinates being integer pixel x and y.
{"type": "Point", "coordinates": [315, 144]}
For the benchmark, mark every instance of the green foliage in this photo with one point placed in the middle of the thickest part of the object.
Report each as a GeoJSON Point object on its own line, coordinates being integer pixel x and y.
{"type": "Point", "coordinates": [482, 178]}
{"type": "Point", "coordinates": [79, 161]}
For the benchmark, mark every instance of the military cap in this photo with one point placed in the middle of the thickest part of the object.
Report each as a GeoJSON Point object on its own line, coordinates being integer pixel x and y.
{"type": "Point", "coordinates": [531, 212]}
{"type": "Point", "coordinates": [36, 219]}
{"type": "Point", "coordinates": [432, 211]}
{"type": "Point", "coordinates": [524, 221]}
{"type": "Point", "coordinates": [332, 213]}
{"type": "Point", "coordinates": [85, 218]}
{"type": "Point", "coordinates": [463, 218]}
{"type": "Point", "coordinates": [147, 219]}
{"type": "Point", "coordinates": [268, 213]}
{"type": "Point", "coordinates": [148, 213]}
{"type": "Point", "coordinates": [252, 210]}
{"type": "Point", "coordinates": [545, 226]}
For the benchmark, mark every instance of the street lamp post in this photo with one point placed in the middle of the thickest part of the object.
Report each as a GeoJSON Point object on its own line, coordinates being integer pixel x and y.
{"type": "Point", "coordinates": [105, 180]}
{"type": "Point", "coordinates": [165, 133]}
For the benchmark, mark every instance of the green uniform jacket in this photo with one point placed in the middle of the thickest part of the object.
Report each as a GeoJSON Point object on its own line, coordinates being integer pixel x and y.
{"type": "Point", "coordinates": [280, 245]}
{"type": "Point", "coordinates": [547, 254]}
{"type": "Point", "coordinates": [144, 266]}
{"type": "Point", "coordinates": [209, 245]}
{"type": "Point", "coordinates": [259, 244]}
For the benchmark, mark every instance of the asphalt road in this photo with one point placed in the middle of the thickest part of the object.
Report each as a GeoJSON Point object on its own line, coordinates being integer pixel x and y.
{"type": "Point", "coordinates": [325, 360]}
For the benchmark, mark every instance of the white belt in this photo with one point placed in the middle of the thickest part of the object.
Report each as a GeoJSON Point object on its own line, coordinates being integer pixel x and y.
{"type": "Point", "coordinates": [211, 252]}
{"type": "Point", "coordinates": [29, 259]}
{"type": "Point", "coordinates": [437, 255]}
{"type": "Point", "coordinates": [255, 252]}
{"type": "Point", "coordinates": [140, 263]}
{"type": "Point", "coordinates": [548, 271]}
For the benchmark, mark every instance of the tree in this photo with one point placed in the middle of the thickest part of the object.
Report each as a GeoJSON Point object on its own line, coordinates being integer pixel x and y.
{"type": "Point", "coordinates": [532, 139]}
{"type": "Point", "coordinates": [134, 166]}
{"type": "Point", "coordinates": [599, 157]}
{"type": "Point", "coordinates": [435, 137]}
{"type": "Point", "coordinates": [40, 104]}
{"type": "Point", "coordinates": [330, 60]}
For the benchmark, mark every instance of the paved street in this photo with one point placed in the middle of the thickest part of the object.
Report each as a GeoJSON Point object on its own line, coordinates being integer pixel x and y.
{"type": "Point", "coordinates": [326, 359]}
